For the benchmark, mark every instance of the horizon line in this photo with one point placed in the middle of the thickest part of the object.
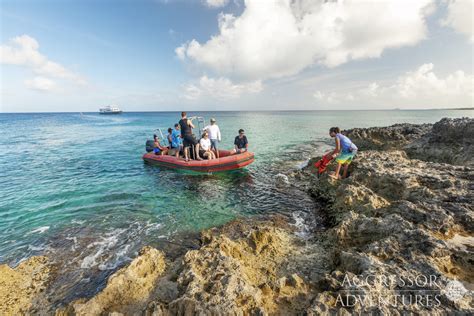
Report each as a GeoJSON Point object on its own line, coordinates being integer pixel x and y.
{"type": "Point", "coordinates": [296, 110]}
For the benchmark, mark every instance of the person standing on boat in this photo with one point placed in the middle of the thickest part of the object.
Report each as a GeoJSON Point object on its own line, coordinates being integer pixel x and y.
{"type": "Point", "coordinates": [169, 137]}
{"type": "Point", "coordinates": [241, 143]}
{"type": "Point", "coordinates": [189, 140]}
{"type": "Point", "coordinates": [176, 141]}
{"type": "Point", "coordinates": [214, 135]}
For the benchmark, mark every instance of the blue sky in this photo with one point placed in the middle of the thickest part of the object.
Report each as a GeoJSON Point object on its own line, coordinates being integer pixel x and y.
{"type": "Point", "coordinates": [232, 55]}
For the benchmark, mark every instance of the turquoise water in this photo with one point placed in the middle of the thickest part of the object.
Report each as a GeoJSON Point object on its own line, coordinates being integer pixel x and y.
{"type": "Point", "coordinates": [74, 186]}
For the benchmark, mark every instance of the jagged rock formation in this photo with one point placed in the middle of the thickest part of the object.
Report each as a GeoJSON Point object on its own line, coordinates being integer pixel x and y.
{"type": "Point", "coordinates": [127, 291]}
{"type": "Point", "coordinates": [450, 141]}
{"type": "Point", "coordinates": [240, 276]}
{"type": "Point", "coordinates": [20, 286]}
{"type": "Point", "coordinates": [386, 138]}
{"type": "Point", "coordinates": [241, 268]}
{"type": "Point", "coordinates": [401, 217]}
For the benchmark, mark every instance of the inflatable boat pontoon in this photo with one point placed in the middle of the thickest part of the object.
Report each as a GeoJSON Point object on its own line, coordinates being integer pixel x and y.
{"type": "Point", "coordinates": [224, 163]}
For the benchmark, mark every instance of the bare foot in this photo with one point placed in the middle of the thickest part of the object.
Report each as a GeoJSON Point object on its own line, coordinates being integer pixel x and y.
{"type": "Point", "coordinates": [334, 176]}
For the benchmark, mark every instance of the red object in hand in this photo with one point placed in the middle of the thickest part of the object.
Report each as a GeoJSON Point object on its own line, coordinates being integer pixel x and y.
{"type": "Point", "coordinates": [323, 163]}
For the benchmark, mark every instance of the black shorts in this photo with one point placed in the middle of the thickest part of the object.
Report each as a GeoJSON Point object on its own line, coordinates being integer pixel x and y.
{"type": "Point", "coordinates": [189, 140]}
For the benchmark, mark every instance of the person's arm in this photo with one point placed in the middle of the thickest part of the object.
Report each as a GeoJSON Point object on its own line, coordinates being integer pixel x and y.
{"type": "Point", "coordinates": [246, 143]}
{"type": "Point", "coordinates": [218, 134]}
{"type": "Point", "coordinates": [190, 123]}
{"type": "Point", "coordinates": [235, 143]}
{"type": "Point", "coordinates": [158, 145]}
{"type": "Point", "coordinates": [337, 149]}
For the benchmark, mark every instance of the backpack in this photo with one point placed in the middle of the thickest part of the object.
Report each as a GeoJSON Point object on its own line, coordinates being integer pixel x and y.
{"type": "Point", "coordinates": [149, 146]}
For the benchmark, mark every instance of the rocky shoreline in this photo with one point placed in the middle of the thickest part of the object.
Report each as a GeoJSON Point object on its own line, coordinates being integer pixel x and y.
{"type": "Point", "coordinates": [399, 238]}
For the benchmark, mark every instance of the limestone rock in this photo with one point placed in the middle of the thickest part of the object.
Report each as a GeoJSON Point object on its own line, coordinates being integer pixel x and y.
{"type": "Point", "coordinates": [239, 277]}
{"type": "Point", "coordinates": [21, 285]}
{"type": "Point", "coordinates": [403, 217]}
{"type": "Point", "coordinates": [385, 138]}
{"type": "Point", "coordinates": [128, 290]}
{"type": "Point", "coordinates": [281, 180]}
{"type": "Point", "coordinates": [449, 141]}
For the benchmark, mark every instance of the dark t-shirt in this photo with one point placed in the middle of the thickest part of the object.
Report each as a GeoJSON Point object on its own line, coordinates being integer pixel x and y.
{"type": "Point", "coordinates": [185, 128]}
{"type": "Point", "coordinates": [240, 142]}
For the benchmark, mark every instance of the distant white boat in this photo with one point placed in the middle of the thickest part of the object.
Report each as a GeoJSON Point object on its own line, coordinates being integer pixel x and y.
{"type": "Point", "coordinates": [110, 109]}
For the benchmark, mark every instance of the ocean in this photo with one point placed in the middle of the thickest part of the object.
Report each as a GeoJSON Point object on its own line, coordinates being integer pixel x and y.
{"type": "Point", "coordinates": [73, 186]}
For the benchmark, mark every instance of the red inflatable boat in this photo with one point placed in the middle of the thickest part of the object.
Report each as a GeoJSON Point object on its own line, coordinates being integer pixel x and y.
{"type": "Point", "coordinates": [224, 163]}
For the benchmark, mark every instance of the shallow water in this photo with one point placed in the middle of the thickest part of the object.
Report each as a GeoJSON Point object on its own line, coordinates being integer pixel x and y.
{"type": "Point", "coordinates": [74, 186]}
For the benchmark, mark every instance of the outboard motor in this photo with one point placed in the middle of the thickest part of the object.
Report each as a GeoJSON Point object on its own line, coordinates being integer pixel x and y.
{"type": "Point", "coordinates": [149, 146]}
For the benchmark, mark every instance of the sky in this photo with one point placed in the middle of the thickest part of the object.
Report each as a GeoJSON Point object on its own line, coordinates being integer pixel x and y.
{"type": "Point", "coordinates": [174, 55]}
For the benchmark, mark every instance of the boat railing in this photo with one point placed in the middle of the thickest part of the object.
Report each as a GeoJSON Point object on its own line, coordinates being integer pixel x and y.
{"type": "Point", "coordinates": [201, 123]}
{"type": "Point", "coordinates": [164, 140]}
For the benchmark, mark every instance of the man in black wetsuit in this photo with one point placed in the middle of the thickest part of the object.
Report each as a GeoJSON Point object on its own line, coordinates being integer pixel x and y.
{"type": "Point", "coordinates": [188, 138]}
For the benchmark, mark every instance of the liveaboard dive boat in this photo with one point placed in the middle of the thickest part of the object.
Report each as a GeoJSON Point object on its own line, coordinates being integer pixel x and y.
{"type": "Point", "coordinates": [110, 109]}
{"type": "Point", "coordinates": [226, 161]}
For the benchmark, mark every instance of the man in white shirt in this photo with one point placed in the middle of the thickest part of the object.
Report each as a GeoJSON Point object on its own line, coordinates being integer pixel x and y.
{"type": "Point", "coordinates": [214, 135]}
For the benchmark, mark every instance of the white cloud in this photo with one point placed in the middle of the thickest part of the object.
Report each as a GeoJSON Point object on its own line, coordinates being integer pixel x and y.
{"type": "Point", "coordinates": [24, 51]}
{"type": "Point", "coordinates": [40, 83]}
{"type": "Point", "coordinates": [328, 98]}
{"type": "Point", "coordinates": [180, 52]}
{"type": "Point", "coordinates": [318, 95]}
{"type": "Point", "coordinates": [279, 38]}
{"type": "Point", "coordinates": [424, 84]}
{"type": "Point", "coordinates": [220, 88]}
{"type": "Point", "coordinates": [459, 17]}
{"type": "Point", "coordinates": [419, 88]}
{"type": "Point", "coordinates": [216, 3]}
{"type": "Point", "coordinates": [371, 90]}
